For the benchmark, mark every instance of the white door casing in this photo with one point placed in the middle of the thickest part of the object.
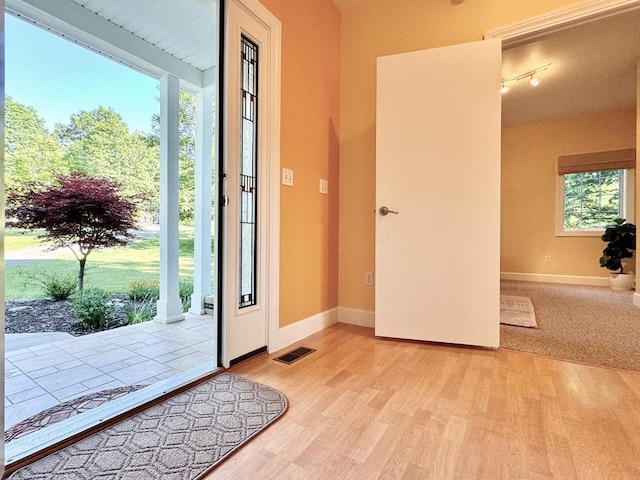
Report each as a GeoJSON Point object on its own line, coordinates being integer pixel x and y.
{"type": "Point", "coordinates": [438, 165]}
{"type": "Point", "coordinates": [248, 329]}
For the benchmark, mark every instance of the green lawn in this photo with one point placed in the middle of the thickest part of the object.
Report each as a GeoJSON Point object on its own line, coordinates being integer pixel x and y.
{"type": "Point", "coordinates": [16, 238]}
{"type": "Point", "coordinates": [111, 269]}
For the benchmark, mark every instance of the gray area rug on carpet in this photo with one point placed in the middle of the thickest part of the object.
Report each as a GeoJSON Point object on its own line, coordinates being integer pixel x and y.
{"type": "Point", "coordinates": [517, 311]}
{"type": "Point", "coordinates": [181, 438]}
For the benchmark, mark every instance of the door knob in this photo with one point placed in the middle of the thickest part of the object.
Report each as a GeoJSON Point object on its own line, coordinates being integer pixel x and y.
{"type": "Point", "coordinates": [385, 211]}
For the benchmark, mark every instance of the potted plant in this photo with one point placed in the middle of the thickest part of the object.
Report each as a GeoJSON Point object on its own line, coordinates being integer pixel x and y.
{"type": "Point", "coordinates": [621, 242]}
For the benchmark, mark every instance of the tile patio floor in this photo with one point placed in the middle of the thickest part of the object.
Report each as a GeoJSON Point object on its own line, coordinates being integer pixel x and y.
{"type": "Point", "coordinates": [42, 376]}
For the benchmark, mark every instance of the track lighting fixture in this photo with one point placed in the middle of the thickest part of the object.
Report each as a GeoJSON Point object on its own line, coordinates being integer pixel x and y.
{"type": "Point", "coordinates": [534, 81]}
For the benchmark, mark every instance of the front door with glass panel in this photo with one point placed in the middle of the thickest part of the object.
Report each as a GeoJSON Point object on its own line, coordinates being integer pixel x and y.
{"type": "Point", "coordinates": [246, 188]}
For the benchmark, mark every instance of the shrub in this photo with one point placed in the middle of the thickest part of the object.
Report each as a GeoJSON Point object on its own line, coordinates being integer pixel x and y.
{"type": "Point", "coordinates": [186, 290]}
{"type": "Point", "coordinates": [138, 312]}
{"type": "Point", "coordinates": [58, 287]}
{"type": "Point", "coordinates": [92, 308]}
{"type": "Point", "coordinates": [142, 290]}
{"type": "Point", "coordinates": [55, 286]}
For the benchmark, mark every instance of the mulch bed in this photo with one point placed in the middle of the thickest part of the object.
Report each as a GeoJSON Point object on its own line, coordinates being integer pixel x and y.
{"type": "Point", "coordinates": [44, 315]}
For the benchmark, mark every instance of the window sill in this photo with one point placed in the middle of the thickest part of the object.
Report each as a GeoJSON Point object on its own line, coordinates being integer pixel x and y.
{"type": "Point", "coordinates": [580, 233]}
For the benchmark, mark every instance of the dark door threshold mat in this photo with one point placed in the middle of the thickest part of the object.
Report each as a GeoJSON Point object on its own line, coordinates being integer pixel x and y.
{"type": "Point", "coordinates": [294, 355]}
{"type": "Point", "coordinates": [65, 410]}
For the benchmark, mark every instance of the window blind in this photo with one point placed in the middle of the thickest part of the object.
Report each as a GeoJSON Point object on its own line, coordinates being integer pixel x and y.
{"type": "Point", "coordinates": [595, 161]}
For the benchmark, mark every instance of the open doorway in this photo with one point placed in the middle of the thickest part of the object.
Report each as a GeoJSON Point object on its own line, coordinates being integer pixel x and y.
{"type": "Point", "coordinates": [116, 369]}
{"type": "Point", "coordinates": [571, 94]}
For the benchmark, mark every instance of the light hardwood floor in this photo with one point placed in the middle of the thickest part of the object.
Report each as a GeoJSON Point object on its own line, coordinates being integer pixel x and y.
{"type": "Point", "coordinates": [365, 408]}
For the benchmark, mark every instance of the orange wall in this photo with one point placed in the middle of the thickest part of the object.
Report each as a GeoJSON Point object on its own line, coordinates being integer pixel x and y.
{"type": "Point", "coordinates": [310, 147]}
{"type": "Point", "coordinates": [529, 175]}
{"type": "Point", "coordinates": [383, 27]}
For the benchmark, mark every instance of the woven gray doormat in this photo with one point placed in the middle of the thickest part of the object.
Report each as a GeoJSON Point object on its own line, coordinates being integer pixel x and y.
{"type": "Point", "coordinates": [181, 438]}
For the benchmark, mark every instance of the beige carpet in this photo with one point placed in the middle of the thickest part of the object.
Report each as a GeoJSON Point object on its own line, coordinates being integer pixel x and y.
{"type": "Point", "coordinates": [180, 438]}
{"type": "Point", "coordinates": [594, 325]}
{"type": "Point", "coordinates": [517, 311]}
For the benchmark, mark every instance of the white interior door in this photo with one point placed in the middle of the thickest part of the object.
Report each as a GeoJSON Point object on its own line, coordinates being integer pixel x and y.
{"type": "Point", "coordinates": [438, 166]}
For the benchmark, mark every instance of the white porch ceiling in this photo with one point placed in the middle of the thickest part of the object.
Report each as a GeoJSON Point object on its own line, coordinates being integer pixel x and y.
{"type": "Point", "coordinates": [185, 29]}
{"type": "Point", "coordinates": [154, 36]}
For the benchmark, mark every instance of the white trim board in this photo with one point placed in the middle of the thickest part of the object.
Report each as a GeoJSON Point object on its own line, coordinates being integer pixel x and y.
{"type": "Point", "coordinates": [295, 332]}
{"type": "Point", "coordinates": [354, 316]}
{"type": "Point", "coordinates": [548, 278]}
{"type": "Point", "coordinates": [527, 30]}
{"type": "Point", "coordinates": [304, 328]}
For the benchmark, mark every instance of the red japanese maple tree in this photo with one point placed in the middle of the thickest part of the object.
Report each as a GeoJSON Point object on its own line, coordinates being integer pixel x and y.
{"type": "Point", "coordinates": [79, 212]}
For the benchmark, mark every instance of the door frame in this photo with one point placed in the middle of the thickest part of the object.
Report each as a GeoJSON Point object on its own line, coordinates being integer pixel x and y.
{"type": "Point", "coordinates": [270, 165]}
{"type": "Point", "coordinates": [522, 32]}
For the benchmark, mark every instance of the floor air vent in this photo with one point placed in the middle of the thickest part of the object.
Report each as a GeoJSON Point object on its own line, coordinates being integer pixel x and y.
{"type": "Point", "coordinates": [294, 355]}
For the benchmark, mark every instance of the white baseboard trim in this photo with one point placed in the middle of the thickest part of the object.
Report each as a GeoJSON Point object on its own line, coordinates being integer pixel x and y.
{"type": "Point", "coordinates": [303, 328]}
{"type": "Point", "coordinates": [354, 316]}
{"type": "Point", "coordinates": [567, 279]}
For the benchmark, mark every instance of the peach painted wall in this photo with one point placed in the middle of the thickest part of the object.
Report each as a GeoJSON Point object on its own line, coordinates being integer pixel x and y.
{"type": "Point", "coordinates": [310, 147]}
{"type": "Point", "coordinates": [529, 172]}
{"type": "Point", "coordinates": [382, 27]}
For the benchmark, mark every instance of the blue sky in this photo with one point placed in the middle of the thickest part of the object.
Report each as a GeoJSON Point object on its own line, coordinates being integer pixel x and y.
{"type": "Point", "coordinates": [59, 78]}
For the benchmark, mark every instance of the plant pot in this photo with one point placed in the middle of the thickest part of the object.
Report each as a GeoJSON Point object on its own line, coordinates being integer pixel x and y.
{"type": "Point", "coordinates": [621, 281]}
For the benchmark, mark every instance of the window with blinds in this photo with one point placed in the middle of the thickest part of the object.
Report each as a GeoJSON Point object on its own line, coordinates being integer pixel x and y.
{"type": "Point", "coordinates": [595, 189]}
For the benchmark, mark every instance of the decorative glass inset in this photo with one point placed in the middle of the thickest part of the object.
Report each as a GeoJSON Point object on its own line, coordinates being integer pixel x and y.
{"type": "Point", "coordinates": [248, 174]}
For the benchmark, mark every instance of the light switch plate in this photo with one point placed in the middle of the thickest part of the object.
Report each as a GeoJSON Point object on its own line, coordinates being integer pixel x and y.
{"type": "Point", "coordinates": [287, 177]}
{"type": "Point", "coordinates": [324, 186]}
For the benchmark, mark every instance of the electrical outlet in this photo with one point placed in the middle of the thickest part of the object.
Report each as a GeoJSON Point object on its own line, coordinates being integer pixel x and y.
{"type": "Point", "coordinates": [324, 186]}
{"type": "Point", "coordinates": [287, 177]}
{"type": "Point", "coordinates": [368, 278]}
{"type": "Point", "coordinates": [547, 259]}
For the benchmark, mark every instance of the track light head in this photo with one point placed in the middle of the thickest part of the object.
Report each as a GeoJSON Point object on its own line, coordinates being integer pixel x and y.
{"type": "Point", "coordinates": [531, 75]}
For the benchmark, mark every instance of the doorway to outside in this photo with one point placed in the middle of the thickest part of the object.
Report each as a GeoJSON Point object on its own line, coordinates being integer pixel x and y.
{"type": "Point", "coordinates": [123, 367]}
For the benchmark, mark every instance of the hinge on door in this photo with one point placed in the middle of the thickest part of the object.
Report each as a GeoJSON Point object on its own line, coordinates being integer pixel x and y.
{"type": "Point", "coordinates": [225, 200]}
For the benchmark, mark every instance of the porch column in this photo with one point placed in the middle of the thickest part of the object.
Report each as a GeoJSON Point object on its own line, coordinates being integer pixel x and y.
{"type": "Point", "coordinates": [202, 207]}
{"type": "Point", "coordinates": [169, 304]}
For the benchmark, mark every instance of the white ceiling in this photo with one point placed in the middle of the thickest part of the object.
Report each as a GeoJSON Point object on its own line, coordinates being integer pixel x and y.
{"type": "Point", "coordinates": [593, 69]}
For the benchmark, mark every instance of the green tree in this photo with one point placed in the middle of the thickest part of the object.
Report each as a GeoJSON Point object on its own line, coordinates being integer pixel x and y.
{"type": "Point", "coordinates": [31, 152]}
{"type": "Point", "coordinates": [591, 199]}
{"type": "Point", "coordinates": [99, 143]}
{"type": "Point", "coordinates": [80, 212]}
{"type": "Point", "coordinates": [187, 147]}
